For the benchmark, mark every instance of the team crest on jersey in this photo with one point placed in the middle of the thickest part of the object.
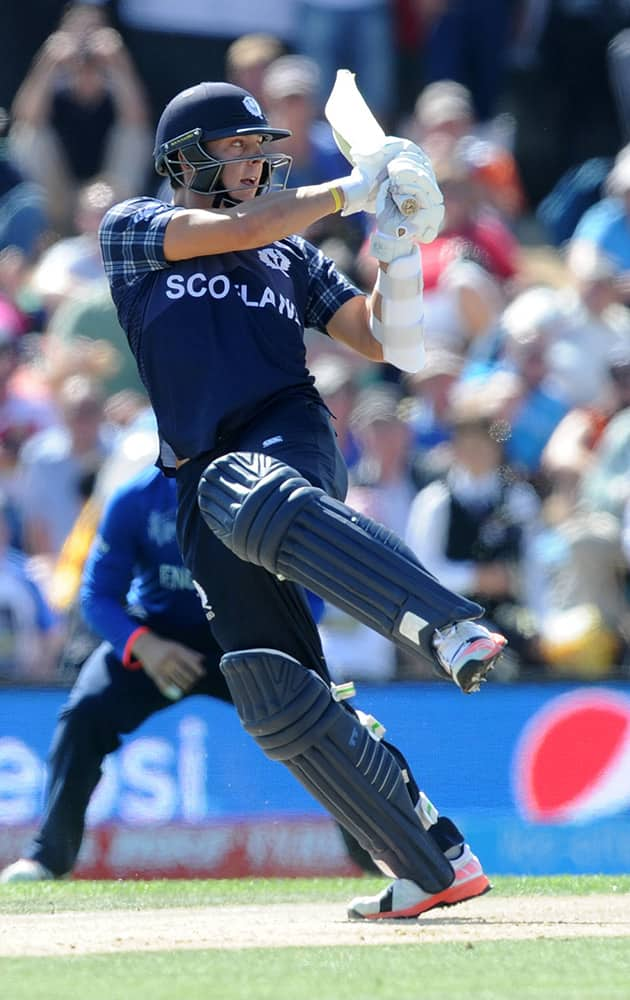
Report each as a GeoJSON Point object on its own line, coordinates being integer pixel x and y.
{"type": "Point", "coordinates": [252, 105]}
{"type": "Point", "coordinates": [275, 259]}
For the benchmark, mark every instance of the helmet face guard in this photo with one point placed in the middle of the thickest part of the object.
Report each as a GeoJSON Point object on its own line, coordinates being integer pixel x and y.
{"type": "Point", "coordinates": [185, 160]}
{"type": "Point", "coordinates": [206, 112]}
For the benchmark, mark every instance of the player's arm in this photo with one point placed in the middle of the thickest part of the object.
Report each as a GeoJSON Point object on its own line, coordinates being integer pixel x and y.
{"type": "Point", "coordinates": [108, 573]}
{"type": "Point", "coordinates": [389, 324]}
{"type": "Point", "coordinates": [351, 325]}
{"type": "Point", "coordinates": [196, 232]}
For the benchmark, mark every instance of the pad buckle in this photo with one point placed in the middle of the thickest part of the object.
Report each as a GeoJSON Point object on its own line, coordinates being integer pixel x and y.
{"type": "Point", "coordinates": [341, 692]}
{"type": "Point", "coordinates": [375, 728]}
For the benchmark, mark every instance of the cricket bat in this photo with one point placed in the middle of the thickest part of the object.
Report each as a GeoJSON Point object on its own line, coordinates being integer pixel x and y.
{"type": "Point", "coordinates": [355, 127]}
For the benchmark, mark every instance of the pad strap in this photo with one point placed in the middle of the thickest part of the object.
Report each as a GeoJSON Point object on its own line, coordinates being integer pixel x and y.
{"type": "Point", "coordinates": [400, 326]}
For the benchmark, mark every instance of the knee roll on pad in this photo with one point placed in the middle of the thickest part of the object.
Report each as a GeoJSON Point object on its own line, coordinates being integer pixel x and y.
{"type": "Point", "coordinates": [291, 714]}
{"type": "Point", "coordinates": [268, 514]}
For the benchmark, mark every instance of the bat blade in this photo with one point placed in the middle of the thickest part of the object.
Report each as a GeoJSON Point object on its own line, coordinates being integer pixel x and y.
{"type": "Point", "coordinates": [353, 124]}
{"type": "Point", "coordinates": [355, 128]}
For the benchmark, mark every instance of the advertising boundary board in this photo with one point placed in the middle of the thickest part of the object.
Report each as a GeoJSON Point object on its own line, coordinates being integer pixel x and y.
{"type": "Point", "coordinates": [538, 775]}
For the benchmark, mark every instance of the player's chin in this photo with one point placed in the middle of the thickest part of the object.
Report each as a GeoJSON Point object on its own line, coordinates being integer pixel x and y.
{"type": "Point", "coordinates": [247, 192]}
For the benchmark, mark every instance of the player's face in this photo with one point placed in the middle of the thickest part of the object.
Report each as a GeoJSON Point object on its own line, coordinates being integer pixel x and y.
{"type": "Point", "coordinates": [242, 178]}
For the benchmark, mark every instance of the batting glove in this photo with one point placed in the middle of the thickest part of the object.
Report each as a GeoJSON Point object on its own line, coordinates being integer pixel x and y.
{"type": "Point", "coordinates": [361, 187]}
{"type": "Point", "coordinates": [412, 182]}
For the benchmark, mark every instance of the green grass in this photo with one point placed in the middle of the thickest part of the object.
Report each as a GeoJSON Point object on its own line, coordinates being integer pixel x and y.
{"type": "Point", "coordinates": [520, 970]}
{"type": "Point", "coordinates": [541, 969]}
{"type": "Point", "coordinates": [47, 897]}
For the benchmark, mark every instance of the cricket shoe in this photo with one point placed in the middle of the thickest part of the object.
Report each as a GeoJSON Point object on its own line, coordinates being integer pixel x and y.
{"type": "Point", "coordinates": [25, 870]}
{"type": "Point", "coordinates": [466, 652]}
{"type": "Point", "coordinates": [403, 898]}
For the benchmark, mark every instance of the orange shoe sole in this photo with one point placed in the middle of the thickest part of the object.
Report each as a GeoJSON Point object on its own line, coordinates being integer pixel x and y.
{"type": "Point", "coordinates": [455, 893]}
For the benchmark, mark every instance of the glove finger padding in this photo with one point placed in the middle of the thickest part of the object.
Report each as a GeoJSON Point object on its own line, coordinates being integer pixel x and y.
{"type": "Point", "coordinates": [411, 180]}
{"type": "Point", "coordinates": [371, 167]}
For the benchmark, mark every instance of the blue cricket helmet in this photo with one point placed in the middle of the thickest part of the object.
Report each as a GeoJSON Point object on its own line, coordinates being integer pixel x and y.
{"type": "Point", "coordinates": [204, 112]}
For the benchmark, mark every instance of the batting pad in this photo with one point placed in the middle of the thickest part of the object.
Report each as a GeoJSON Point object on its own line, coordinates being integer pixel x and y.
{"type": "Point", "coordinates": [291, 714]}
{"type": "Point", "coordinates": [268, 514]}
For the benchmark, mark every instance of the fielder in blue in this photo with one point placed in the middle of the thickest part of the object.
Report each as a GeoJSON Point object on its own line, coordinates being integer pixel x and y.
{"type": "Point", "coordinates": [214, 292]}
{"type": "Point", "coordinates": [157, 647]}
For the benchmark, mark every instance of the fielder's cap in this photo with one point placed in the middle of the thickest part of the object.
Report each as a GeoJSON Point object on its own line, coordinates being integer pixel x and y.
{"type": "Point", "coordinates": [291, 76]}
{"type": "Point", "coordinates": [444, 101]}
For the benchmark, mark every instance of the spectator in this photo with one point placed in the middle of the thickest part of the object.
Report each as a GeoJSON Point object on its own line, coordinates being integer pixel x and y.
{"type": "Point", "coordinates": [80, 113]}
{"type": "Point", "coordinates": [465, 268]}
{"type": "Point", "coordinates": [584, 620]}
{"type": "Point", "coordinates": [467, 41]}
{"type": "Point", "coordinates": [88, 317]}
{"type": "Point", "coordinates": [476, 526]}
{"type": "Point", "coordinates": [290, 87]}
{"type": "Point", "coordinates": [74, 263]}
{"type": "Point", "coordinates": [572, 448]}
{"type": "Point", "coordinates": [27, 628]}
{"type": "Point", "coordinates": [585, 627]}
{"type": "Point", "coordinates": [528, 327]}
{"type": "Point", "coordinates": [606, 483]}
{"type": "Point", "coordinates": [382, 488]}
{"type": "Point", "coordinates": [355, 34]}
{"type": "Point", "coordinates": [336, 379]}
{"type": "Point", "coordinates": [176, 45]}
{"type": "Point", "coordinates": [290, 95]}
{"type": "Point", "coordinates": [382, 480]}
{"type": "Point", "coordinates": [22, 414]}
{"type": "Point", "coordinates": [593, 324]}
{"type": "Point", "coordinates": [580, 104]}
{"type": "Point", "coordinates": [23, 218]}
{"type": "Point", "coordinates": [445, 122]}
{"type": "Point", "coordinates": [248, 58]}
{"type": "Point", "coordinates": [607, 223]}
{"type": "Point", "coordinates": [58, 467]}
{"type": "Point", "coordinates": [431, 391]}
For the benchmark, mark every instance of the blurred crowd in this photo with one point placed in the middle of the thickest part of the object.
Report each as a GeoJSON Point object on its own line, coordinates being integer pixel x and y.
{"type": "Point", "coordinates": [505, 462]}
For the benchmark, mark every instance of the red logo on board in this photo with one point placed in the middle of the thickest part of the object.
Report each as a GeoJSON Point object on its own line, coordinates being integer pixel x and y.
{"type": "Point", "coordinates": [572, 760]}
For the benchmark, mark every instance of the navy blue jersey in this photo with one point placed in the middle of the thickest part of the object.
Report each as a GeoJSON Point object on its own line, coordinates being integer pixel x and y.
{"type": "Point", "coordinates": [134, 573]}
{"type": "Point", "coordinates": [216, 337]}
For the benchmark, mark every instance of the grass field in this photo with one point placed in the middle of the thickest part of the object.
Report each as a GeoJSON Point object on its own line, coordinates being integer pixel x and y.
{"type": "Point", "coordinates": [556, 938]}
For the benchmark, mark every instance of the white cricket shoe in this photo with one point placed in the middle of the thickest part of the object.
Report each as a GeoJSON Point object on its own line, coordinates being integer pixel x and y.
{"type": "Point", "coordinates": [25, 870]}
{"type": "Point", "coordinates": [467, 651]}
{"type": "Point", "coordinates": [403, 898]}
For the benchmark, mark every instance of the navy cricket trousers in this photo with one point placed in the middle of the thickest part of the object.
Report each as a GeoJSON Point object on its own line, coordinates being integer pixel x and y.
{"type": "Point", "coordinates": [252, 608]}
{"type": "Point", "coordinates": [106, 702]}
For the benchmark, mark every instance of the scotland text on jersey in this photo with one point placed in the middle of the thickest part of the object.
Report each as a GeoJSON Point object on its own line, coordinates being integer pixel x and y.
{"type": "Point", "coordinates": [219, 286]}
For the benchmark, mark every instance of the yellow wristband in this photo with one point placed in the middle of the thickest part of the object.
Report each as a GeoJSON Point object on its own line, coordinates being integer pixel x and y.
{"type": "Point", "coordinates": [337, 198]}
